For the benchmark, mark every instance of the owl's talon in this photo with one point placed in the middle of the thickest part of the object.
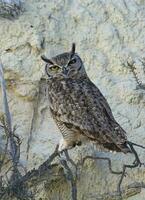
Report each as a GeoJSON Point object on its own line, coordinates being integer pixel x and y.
{"type": "Point", "coordinates": [74, 144]}
{"type": "Point", "coordinates": [62, 145]}
{"type": "Point", "coordinates": [78, 143]}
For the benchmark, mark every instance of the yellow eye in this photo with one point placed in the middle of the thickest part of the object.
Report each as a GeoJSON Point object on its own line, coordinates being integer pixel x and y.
{"type": "Point", "coordinates": [54, 68]}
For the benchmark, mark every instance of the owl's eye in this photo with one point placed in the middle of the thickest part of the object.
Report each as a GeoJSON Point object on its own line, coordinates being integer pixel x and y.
{"type": "Point", "coordinates": [54, 68]}
{"type": "Point", "coordinates": [72, 61]}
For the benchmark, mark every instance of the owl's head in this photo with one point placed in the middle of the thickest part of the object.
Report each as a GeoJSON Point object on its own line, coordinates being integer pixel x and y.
{"type": "Point", "coordinates": [65, 65]}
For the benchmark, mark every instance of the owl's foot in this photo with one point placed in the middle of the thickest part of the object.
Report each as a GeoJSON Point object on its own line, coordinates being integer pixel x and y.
{"type": "Point", "coordinates": [64, 145]}
{"type": "Point", "coordinates": [78, 143]}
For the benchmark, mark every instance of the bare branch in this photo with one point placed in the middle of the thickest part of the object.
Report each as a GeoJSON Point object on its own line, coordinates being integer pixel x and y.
{"type": "Point", "coordinates": [4, 156]}
{"type": "Point", "coordinates": [13, 140]}
{"type": "Point", "coordinates": [13, 147]}
{"type": "Point", "coordinates": [69, 176]}
{"type": "Point", "coordinates": [135, 164]}
{"type": "Point", "coordinates": [4, 95]}
{"type": "Point", "coordinates": [101, 158]}
{"type": "Point", "coordinates": [138, 145]}
{"type": "Point", "coordinates": [70, 160]}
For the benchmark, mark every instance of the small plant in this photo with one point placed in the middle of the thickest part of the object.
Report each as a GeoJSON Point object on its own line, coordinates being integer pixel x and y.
{"type": "Point", "coordinates": [132, 67]}
{"type": "Point", "coordinates": [10, 8]}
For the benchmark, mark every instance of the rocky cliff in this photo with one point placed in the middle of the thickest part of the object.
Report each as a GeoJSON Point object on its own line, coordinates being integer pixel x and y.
{"type": "Point", "coordinates": [110, 38]}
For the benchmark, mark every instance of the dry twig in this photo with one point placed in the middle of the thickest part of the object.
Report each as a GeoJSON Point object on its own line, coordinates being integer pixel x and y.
{"type": "Point", "coordinates": [132, 68]}
{"type": "Point", "coordinates": [101, 158]}
{"type": "Point", "coordinates": [13, 141]}
{"type": "Point", "coordinates": [72, 178]}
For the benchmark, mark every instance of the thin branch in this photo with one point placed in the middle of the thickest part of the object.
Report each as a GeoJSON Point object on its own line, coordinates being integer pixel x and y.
{"type": "Point", "coordinates": [47, 165]}
{"type": "Point", "coordinates": [138, 145]}
{"type": "Point", "coordinates": [123, 175]}
{"type": "Point", "coordinates": [70, 177]}
{"type": "Point", "coordinates": [70, 160]}
{"type": "Point", "coordinates": [50, 159]}
{"type": "Point", "coordinates": [5, 102]}
{"type": "Point", "coordinates": [4, 156]}
{"type": "Point", "coordinates": [42, 167]}
{"type": "Point", "coordinates": [7, 113]}
{"type": "Point", "coordinates": [101, 158]}
{"type": "Point", "coordinates": [13, 140]}
{"type": "Point", "coordinates": [135, 164]}
{"type": "Point", "coordinates": [14, 144]}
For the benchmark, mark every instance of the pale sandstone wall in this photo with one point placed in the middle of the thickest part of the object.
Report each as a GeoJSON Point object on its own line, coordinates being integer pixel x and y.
{"type": "Point", "coordinates": [108, 34]}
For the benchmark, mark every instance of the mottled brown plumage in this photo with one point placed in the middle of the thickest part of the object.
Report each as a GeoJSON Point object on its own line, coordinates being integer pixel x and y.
{"type": "Point", "coordinates": [78, 107]}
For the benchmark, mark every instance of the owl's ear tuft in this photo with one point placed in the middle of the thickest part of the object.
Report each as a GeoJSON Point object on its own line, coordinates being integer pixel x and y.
{"type": "Point", "coordinates": [46, 60]}
{"type": "Point", "coordinates": [73, 49]}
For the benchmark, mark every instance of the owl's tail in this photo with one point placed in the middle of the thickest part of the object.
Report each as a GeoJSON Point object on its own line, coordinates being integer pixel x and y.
{"type": "Point", "coordinates": [126, 147]}
{"type": "Point", "coordinates": [118, 148]}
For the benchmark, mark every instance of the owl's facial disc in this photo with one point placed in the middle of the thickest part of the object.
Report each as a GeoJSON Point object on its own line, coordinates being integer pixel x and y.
{"type": "Point", "coordinates": [65, 65]}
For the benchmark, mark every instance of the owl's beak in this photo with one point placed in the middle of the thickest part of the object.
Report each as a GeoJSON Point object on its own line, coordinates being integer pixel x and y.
{"type": "Point", "coordinates": [65, 71]}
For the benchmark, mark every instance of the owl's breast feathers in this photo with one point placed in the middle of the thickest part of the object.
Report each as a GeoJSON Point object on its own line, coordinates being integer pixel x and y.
{"type": "Point", "coordinates": [80, 103]}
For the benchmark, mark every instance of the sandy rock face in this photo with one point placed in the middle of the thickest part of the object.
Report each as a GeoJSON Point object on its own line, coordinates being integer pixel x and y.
{"type": "Point", "coordinates": [110, 38]}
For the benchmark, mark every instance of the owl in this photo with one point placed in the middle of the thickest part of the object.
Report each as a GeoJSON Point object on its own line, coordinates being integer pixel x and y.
{"type": "Point", "coordinates": [79, 109]}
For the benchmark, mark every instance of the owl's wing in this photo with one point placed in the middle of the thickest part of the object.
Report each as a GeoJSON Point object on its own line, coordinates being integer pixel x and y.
{"type": "Point", "coordinates": [101, 120]}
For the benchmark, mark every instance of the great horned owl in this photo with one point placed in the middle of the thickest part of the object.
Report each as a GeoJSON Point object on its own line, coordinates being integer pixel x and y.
{"type": "Point", "coordinates": [78, 107]}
